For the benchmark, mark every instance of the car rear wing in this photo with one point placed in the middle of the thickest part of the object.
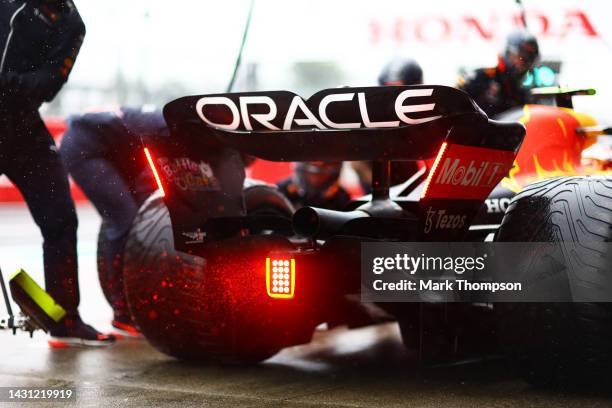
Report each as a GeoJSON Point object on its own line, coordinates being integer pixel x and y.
{"type": "Point", "coordinates": [378, 124]}
{"type": "Point", "coordinates": [374, 123]}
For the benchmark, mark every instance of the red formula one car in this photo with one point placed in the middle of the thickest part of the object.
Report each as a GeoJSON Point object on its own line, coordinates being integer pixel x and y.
{"type": "Point", "coordinates": [217, 268]}
{"type": "Point", "coordinates": [223, 271]}
{"type": "Point", "coordinates": [559, 142]}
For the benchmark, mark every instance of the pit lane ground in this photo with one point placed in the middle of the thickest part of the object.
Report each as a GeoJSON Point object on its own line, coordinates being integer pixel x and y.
{"type": "Point", "coordinates": [352, 368]}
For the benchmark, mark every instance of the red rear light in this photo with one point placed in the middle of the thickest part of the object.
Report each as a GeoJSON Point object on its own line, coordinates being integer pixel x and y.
{"type": "Point", "coordinates": [280, 277]}
{"type": "Point", "coordinates": [433, 168]}
{"type": "Point", "coordinates": [154, 170]}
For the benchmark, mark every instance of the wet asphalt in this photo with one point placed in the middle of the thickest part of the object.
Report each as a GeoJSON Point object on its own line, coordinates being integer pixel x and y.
{"type": "Point", "coordinates": [365, 367]}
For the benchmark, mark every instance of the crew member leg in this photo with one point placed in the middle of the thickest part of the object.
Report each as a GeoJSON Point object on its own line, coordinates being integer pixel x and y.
{"type": "Point", "coordinates": [106, 189]}
{"type": "Point", "coordinates": [43, 181]}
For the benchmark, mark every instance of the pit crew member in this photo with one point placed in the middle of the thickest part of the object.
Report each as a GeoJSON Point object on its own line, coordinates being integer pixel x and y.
{"type": "Point", "coordinates": [39, 41]}
{"type": "Point", "coordinates": [497, 89]}
{"type": "Point", "coordinates": [104, 155]}
{"type": "Point", "coordinates": [315, 184]}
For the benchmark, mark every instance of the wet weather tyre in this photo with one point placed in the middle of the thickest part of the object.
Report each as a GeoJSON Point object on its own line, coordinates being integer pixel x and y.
{"type": "Point", "coordinates": [173, 299]}
{"type": "Point", "coordinates": [570, 343]}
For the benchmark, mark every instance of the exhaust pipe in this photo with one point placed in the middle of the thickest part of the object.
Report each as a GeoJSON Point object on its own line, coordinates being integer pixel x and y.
{"type": "Point", "coordinates": [316, 222]}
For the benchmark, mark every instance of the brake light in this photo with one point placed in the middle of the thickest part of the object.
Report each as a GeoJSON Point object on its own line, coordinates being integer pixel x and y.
{"type": "Point", "coordinates": [280, 278]}
{"type": "Point", "coordinates": [433, 169]}
{"type": "Point", "coordinates": [154, 170]}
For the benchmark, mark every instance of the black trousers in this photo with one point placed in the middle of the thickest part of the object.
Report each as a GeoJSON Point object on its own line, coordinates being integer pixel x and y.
{"type": "Point", "coordinates": [116, 193]}
{"type": "Point", "coordinates": [31, 161]}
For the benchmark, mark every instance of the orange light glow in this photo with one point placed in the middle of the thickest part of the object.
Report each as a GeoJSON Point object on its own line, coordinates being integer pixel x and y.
{"type": "Point", "coordinates": [433, 169]}
{"type": "Point", "coordinates": [154, 169]}
{"type": "Point", "coordinates": [280, 278]}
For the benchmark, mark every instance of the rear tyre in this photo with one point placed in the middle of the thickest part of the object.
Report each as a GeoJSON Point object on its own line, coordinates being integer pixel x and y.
{"type": "Point", "coordinates": [180, 301]}
{"type": "Point", "coordinates": [561, 343]}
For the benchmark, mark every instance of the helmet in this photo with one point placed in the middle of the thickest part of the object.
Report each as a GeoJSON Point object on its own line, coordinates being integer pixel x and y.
{"type": "Point", "coordinates": [315, 178]}
{"type": "Point", "coordinates": [401, 72]}
{"type": "Point", "coordinates": [521, 52]}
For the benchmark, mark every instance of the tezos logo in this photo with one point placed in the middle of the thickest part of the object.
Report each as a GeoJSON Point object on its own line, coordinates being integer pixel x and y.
{"type": "Point", "coordinates": [440, 220]}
